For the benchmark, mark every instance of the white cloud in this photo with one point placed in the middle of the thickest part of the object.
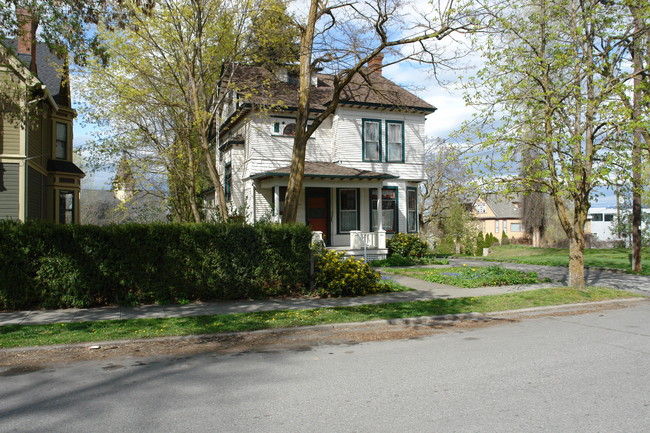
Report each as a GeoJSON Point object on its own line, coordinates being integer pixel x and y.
{"type": "Point", "coordinates": [451, 109]}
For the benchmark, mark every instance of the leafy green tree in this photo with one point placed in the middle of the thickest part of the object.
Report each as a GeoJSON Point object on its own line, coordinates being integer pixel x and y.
{"type": "Point", "coordinates": [163, 91]}
{"type": "Point", "coordinates": [554, 67]}
{"type": "Point", "coordinates": [447, 180]}
{"type": "Point", "coordinates": [459, 228]}
{"type": "Point", "coordinates": [343, 37]}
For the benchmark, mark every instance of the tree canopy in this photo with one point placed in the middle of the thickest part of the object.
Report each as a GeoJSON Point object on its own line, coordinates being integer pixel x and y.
{"type": "Point", "coordinates": [553, 74]}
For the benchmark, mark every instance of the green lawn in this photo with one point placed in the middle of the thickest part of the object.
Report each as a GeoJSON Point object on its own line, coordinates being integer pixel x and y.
{"type": "Point", "coordinates": [38, 335]}
{"type": "Point", "coordinates": [617, 258]}
{"type": "Point", "coordinates": [471, 276]}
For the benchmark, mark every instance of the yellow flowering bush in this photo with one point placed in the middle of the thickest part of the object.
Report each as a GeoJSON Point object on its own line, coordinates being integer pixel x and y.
{"type": "Point", "coordinates": [336, 275]}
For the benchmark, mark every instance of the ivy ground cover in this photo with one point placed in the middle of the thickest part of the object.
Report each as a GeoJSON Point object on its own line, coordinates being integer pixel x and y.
{"type": "Point", "coordinates": [471, 277]}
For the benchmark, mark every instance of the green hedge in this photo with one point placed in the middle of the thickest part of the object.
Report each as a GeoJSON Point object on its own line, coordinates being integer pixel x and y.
{"type": "Point", "coordinates": [57, 266]}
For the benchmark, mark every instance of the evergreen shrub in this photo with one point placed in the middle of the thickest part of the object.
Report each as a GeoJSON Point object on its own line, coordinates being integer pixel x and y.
{"type": "Point", "coordinates": [57, 266]}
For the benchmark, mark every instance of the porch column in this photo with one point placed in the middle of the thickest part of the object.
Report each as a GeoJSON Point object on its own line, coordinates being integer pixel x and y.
{"type": "Point", "coordinates": [276, 202]}
{"type": "Point", "coordinates": [380, 214]}
{"type": "Point", "coordinates": [381, 233]}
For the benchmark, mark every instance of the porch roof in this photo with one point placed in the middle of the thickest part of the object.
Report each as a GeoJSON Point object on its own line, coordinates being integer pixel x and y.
{"type": "Point", "coordinates": [327, 170]}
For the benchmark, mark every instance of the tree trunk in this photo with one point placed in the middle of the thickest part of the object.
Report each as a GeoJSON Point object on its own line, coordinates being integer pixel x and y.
{"type": "Point", "coordinates": [577, 260]}
{"type": "Point", "coordinates": [192, 185]}
{"type": "Point", "coordinates": [537, 237]}
{"type": "Point", "coordinates": [636, 143]}
{"type": "Point", "coordinates": [297, 171]}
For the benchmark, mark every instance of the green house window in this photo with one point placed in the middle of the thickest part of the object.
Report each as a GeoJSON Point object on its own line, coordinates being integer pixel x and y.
{"type": "Point", "coordinates": [371, 136]}
{"type": "Point", "coordinates": [412, 210]}
{"type": "Point", "coordinates": [348, 209]}
{"type": "Point", "coordinates": [388, 208]}
{"type": "Point", "coordinates": [394, 141]}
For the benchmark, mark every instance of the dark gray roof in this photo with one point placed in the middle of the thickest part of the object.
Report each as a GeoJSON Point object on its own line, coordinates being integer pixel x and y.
{"type": "Point", "coordinates": [49, 68]}
{"type": "Point", "coordinates": [61, 166]}
{"type": "Point", "coordinates": [504, 207]}
{"type": "Point", "coordinates": [365, 89]}
{"type": "Point", "coordinates": [326, 170]}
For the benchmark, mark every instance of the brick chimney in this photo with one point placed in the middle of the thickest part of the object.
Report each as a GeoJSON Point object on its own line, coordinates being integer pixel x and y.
{"type": "Point", "coordinates": [27, 36]}
{"type": "Point", "coordinates": [375, 64]}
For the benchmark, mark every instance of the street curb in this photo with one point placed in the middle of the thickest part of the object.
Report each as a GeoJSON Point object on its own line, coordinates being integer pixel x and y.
{"type": "Point", "coordinates": [420, 320]}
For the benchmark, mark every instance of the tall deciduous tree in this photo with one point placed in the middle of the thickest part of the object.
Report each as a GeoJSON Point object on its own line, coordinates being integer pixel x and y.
{"type": "Point", "coordinates": [447, 181]}
{"type": "Point", "coordinates": [555, 67]}
{"type": "Point", "coordinates": [168, 78]}
{"type": "Point", "coordinates": [343, 37]}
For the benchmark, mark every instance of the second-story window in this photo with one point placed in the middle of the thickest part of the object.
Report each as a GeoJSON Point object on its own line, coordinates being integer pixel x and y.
{"type": "Point", "coordinates": [394, 141]}
{"type": "Point", "coordinates": [371, 140]}
{"type": "Point", "coordinates": [61, 151]}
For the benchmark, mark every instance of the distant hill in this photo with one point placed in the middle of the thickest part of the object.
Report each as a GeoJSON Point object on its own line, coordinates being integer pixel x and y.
{"type": "Point", "coordinates": [101, 207]}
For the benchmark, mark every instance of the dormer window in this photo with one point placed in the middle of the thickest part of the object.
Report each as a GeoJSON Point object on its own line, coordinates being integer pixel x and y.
{"type": "Point", "coordinates": [289, 129]}
{"type": "Point", "coordinates": [286, 126]}
{"type": "Point", "coordinates": [61, 151]}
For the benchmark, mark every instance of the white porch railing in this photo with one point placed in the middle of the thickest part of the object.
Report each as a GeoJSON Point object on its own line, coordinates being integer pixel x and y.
{"type": "Point", "coordinates": [317, 237]}
{"type": "Point", "coordinates": [362, 240]}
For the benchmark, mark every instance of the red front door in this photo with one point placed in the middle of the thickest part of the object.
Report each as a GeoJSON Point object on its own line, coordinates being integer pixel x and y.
{"type": "Point", "coordinates": [317, 201]}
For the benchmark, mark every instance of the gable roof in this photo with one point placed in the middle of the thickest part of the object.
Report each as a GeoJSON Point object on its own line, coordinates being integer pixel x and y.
{"type": "Point", "coordinates": [262, 87]}
{"type": "Point", "coordinates": [50, 69]}
{"type": "Point", "coordinates": [503, 207]}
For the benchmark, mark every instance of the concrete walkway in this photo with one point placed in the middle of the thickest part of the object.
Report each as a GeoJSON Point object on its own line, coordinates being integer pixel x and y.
{"type": "Point", "coordinates": [422, 291]}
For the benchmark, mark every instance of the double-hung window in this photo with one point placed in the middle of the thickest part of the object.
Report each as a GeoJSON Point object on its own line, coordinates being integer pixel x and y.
{"type": "Point", "coordinates": [394, 141]}
{"type": "Point", "coordinates": [388, 209]}
{"type": "Point", "coordinates": [61, 150]}
{"type": "Point", "coordinates": [66, 207]}
{"type": "Point", "coordinates": [348, 209]}
{"type": "Point", "coordinates": [371, 140]}
{"type": "Point", "coordinates": [412, 210]}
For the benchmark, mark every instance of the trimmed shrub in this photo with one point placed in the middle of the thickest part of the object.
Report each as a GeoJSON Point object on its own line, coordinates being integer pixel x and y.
{"type": "Point", "coordinates": [394, 260]}
{"type": "Point", "coordinates": [335, 275]}
{"type": "Point", "coordinates": [56, 266]}
{"type": "Point", "coordinates": [407, 245]}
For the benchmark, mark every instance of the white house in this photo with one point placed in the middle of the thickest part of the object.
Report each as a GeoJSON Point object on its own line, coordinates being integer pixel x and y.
{"type": "Point", "coordinates": [372, 146]}
{"type": "Point", "coordinates": [603, 222]}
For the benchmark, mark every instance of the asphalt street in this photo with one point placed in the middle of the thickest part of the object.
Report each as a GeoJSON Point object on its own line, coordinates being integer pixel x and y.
{"type": "Point", "coordinates": [580, 373]}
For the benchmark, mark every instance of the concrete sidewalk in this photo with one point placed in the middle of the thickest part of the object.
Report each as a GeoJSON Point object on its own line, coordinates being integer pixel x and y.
{"type": "Point", "coordinates": [422, 291]}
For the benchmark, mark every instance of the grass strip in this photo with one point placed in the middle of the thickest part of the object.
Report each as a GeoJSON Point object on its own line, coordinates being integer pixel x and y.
{"type": "Point", "coordinates": [617, 258]}
{"type": "Point", "coordinates": [82, 332]}
{"type": "Point", "coordinates": [471, 276]}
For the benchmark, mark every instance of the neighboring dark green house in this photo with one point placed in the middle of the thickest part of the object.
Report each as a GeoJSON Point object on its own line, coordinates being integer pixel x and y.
{"type": "Point", "coordinates": [38, 179]}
